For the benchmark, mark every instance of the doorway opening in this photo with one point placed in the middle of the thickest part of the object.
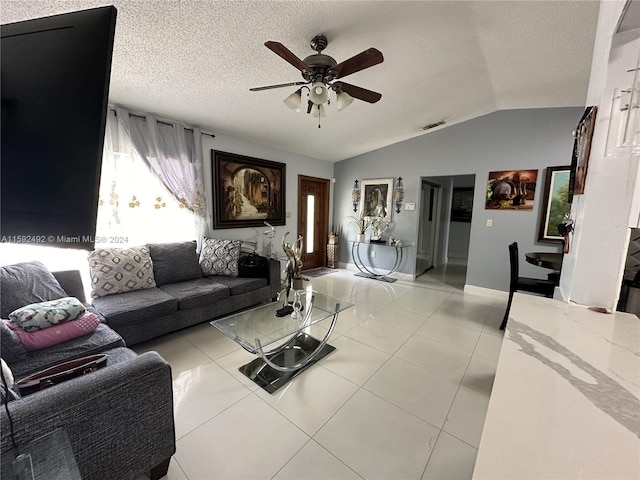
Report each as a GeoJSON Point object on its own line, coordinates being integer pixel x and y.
{"type": "Point", "coordinates": [444, 229]}
{"type": "Point", "coordinates": [313, 220]}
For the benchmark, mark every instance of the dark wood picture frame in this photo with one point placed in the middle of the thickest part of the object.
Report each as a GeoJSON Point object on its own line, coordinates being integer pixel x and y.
{"type": "Point", "coordinates": [462, 204]}
{"type": "Point", "coordinates": [555, 202]}
{"type": "Point", "coordinates": [581, 150]}
{"type": "Point", "coordinates": [247, 191]}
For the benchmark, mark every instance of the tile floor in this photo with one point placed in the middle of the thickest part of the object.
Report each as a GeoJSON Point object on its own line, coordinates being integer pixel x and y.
{"type": "Point", "coordinates": [404, 396]}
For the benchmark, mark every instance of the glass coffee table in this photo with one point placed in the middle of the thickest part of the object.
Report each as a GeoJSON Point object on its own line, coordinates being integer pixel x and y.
{"type": "Point", "coordinates": [283, 347]}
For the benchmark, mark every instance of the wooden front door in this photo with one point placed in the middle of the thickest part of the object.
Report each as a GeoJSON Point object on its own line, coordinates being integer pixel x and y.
{"type": "Point", "coordinates": [313, 220]}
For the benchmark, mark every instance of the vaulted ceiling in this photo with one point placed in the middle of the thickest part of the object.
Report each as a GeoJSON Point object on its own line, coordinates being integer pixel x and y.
{"type": "Point", "coordinates": [195, 60]}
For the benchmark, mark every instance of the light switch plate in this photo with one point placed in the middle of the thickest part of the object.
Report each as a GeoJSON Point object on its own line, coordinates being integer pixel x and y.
{"type": "Point", "coordinates": [409, 206]}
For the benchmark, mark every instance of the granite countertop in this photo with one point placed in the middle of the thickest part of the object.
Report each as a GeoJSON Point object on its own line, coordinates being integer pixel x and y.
{"type": "Point", "coordinates": [566, 397]}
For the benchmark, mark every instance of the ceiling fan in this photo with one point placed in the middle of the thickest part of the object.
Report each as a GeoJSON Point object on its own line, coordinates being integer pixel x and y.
{"type": "Point", "coordinates": [321, 71]}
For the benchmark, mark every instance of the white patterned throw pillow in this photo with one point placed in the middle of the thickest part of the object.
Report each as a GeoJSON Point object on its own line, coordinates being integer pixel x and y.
{"type": "Point", "coordinates": [118, 270]}
{"type": "Point", "coordinates": [220, 257]}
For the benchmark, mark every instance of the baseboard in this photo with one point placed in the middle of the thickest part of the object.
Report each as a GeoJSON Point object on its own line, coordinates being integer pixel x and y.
{"type": "Point", "coordinates": [486, 292]}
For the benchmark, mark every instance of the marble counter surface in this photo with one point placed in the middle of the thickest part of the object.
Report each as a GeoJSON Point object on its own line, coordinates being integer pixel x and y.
{"type": "Point", "coordinates": [566, 397]}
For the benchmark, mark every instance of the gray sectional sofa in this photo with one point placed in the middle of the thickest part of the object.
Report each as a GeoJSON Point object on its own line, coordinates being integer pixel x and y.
{"type": "Point", "coordinates": [96, 412]}
{"type": "Point", "coordinates": [182, 294]}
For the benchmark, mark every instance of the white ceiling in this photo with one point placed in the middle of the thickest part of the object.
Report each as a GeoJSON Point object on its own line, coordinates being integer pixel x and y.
{"type": "Point", "coordinates": [194, 61]}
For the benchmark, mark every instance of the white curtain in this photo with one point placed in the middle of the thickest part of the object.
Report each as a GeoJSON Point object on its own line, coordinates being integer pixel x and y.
{"type": "Point", "coordinates": [136, 206]}
{"type": "Point", "coordinates": [174, 154]}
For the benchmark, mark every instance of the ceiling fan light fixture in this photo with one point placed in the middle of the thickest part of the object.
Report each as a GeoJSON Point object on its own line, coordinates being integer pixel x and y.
{"type": "Point", "coordinates": [294, 100]}
{"type": "Point", "coordinates": [344, 100]}
{"type": "Point", "coordinates": [318, 111]}
{"type": "Point", "coordinates": [319, 93]}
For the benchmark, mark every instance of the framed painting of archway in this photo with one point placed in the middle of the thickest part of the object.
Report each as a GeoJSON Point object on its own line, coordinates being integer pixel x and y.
{"type": "Point", "coordinates": [246, 191]}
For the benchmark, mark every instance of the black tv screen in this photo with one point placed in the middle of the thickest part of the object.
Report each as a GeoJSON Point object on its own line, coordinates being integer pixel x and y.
{"type": "Point", "coordinates": [55, 85]}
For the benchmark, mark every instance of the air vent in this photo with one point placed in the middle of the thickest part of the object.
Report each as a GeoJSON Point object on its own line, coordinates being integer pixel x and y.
{"type": "Point", "coordinates": [433, 125]}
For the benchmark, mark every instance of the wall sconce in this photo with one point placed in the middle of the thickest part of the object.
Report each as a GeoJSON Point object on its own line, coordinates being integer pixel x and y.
{"type": "Point", "coordinates": [355, 195]}
{"type": "Point", "coordinates": [398, 194]}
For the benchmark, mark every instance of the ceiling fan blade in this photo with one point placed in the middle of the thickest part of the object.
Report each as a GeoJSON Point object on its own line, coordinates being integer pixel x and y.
{"type": "Point", "coordinates": [287, 55]}
{"type": "Point", "coordinates": [366, 59]}
{"type": "Point", "coordinates": [357, 92]}
{"type": "Point", "coordinates": [280, 85]}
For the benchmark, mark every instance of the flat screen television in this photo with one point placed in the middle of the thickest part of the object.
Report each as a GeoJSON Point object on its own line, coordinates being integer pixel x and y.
{"type": "Point", "coordinates": [55, 75]}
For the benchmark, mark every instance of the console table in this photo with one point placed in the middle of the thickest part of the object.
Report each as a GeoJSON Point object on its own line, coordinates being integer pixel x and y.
{"type": "Point", "coordinates": [365, 271]}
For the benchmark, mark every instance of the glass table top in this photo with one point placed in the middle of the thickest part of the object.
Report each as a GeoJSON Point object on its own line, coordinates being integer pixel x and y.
{"type": "Point", "coordinates": [261, 323]}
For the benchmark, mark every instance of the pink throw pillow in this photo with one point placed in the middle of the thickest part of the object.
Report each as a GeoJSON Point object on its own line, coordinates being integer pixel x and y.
{"type": "Point", "coordinates": [39, 339]}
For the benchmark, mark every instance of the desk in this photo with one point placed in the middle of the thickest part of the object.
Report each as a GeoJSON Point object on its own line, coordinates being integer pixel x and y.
{"type": "Point", "coordinates": [365, 271]}
{"type": "Point", "coordinates": [549, 260]}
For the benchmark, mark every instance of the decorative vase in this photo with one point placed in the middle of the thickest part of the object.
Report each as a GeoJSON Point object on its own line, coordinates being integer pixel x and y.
{"type": "Point", "coordinates": [360, 238]}
{"type": "Point", "coordinates": [333, 251]}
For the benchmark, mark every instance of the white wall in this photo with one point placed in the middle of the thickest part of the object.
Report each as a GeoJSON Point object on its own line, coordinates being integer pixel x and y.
{"type": "Point", "coordinates": [592, 271]}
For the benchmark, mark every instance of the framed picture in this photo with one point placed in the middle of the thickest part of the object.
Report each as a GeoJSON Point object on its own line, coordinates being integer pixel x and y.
{"type": "Point", "coordinates": [511, 190]}
{"type": "Point", "coordinates": [555, 204]}
{"type": "Point", "coordinates": [376, 198]}
{"type": "Point", "coordinates": [581, 149]}
{"type": "Point", "coordinates": [462, 204]}
{"type": "Point", "coordinates": [246, 191]}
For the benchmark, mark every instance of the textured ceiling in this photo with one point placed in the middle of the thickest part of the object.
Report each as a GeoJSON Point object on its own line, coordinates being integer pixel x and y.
{"type": "Point", "coordinates": [194, 61]}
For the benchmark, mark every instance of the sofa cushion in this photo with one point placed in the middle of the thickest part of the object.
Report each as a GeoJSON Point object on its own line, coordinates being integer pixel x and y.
{"type": "Point", "coordinates": [45, 338]}
{"type": "Point", "coordinates": [39, 316]}
{"type": "Point", "coordinates": [118, 270]}
{"type": "Point", "coordinates": [133, 307]}
{"type": "Point", "coordinates": [11, 347]}
{"type": "Point", "coordinates": [25, 283]}
{"type": "Point", "coordinates": [220, 257]}
{"type": "Point", "coordinates": [174, 262]}
{"type": "Point", "coordinates": [101, 340]}
{"type": "Point", "coordinates": [196, 293]}
{"type": "Point", "coordinates": [238, 285]}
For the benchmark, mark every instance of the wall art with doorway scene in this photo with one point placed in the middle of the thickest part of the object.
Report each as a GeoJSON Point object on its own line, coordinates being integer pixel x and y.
{"type": "Point", "coordinates": [511, 190]}
{"type": "Point", "coordinates": [555, 203]}
{"type": "Point", "coordinates": [246, 191]}
{"type": "Point", "coordinates": [376, 197]}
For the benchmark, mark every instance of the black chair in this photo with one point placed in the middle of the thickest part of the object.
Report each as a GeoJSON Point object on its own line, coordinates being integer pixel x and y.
{"type": "Point", "coordinates": [524, 284]}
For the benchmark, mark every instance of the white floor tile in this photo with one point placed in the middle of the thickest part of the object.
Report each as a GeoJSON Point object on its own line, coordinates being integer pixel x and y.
{"type": "Point", "coordinates": [210, 340]}
{"type": "Point", "coordinates": [177, 351]}
{"type": "Point", "coordinates": [402, 319]}
{"type": "Point", "coordinates": [311, 399]}
{"type": "Point", "coordinates": [489, 345]}
{"type": "Point", "coordinates": [314, 463]}
{"type": "Point", "coordinates": [202, 393]}
{"type": "Point", "coordinates": [233, 361]}
{"type": "Point", "coordinates": [250, 440]}
{"type": "Point", "coordinates": [422, 301]}
{"type": "Point", "coordinates": [450, 332]}
{"type": "Point", "coordinates": [379, 335]}
{"type": "Point", "coordinates": [353, 360]}
{"type": "Point", "coordinates": [480, 373]}
{"type": "Point", "coordinates": [440, 358]}
{"type": "Point", "coordinates": [377, 439]}
{"type": "Point", "coordinates": [466, 417]}
{"type": "Point", "coordinates": [452, 459]}
{"type": "Point", "coordinates": [412, 357]}
{"type": "Point", "coordinates": [418, 391]}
